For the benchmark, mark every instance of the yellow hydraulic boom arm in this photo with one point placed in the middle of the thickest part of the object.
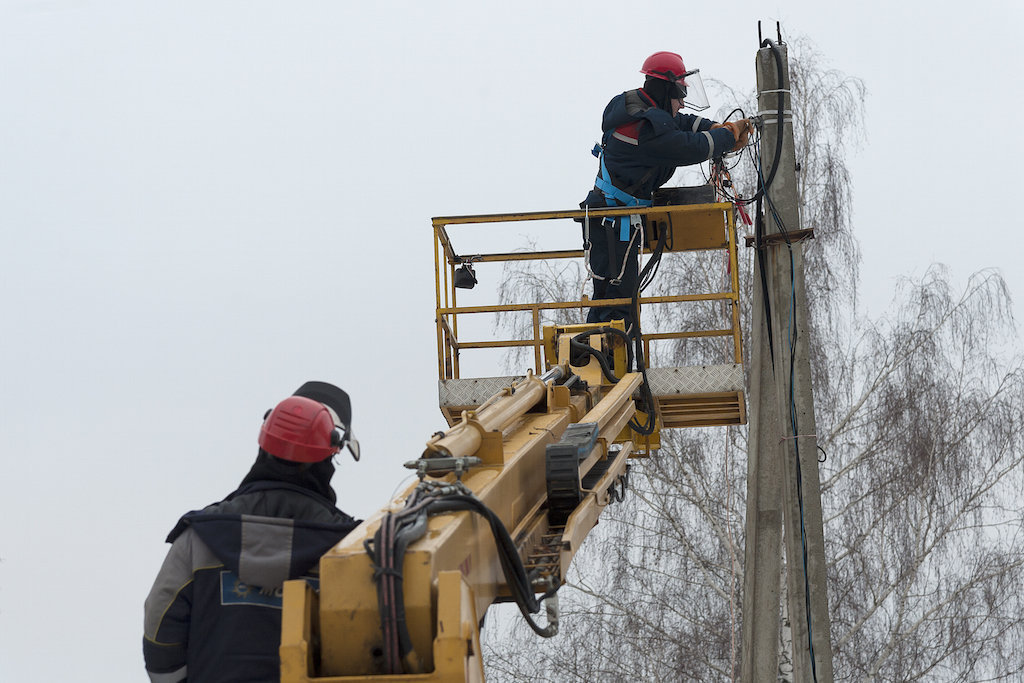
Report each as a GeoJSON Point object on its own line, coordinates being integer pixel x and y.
{"type": "Point", "coordinates": [505, 498]}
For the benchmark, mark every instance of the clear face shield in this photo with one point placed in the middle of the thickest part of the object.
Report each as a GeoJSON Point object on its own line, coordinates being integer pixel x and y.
{"type": "Point", "coordinates": [343, 435]}
{"type": "Point", "coordinates": [353, 446]}
{"type": "Point", "coordinates": [346, 439]}
{"type": "Point", "coordinates": [691, 87]}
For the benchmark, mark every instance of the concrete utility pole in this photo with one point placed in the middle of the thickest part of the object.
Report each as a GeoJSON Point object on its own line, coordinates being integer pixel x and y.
{"type": "Point", "coordinates": [783, 488]}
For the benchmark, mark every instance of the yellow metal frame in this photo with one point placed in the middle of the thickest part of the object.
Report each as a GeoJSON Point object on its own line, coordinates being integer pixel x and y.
{"type": "Point", "coordinates": [693, 227]}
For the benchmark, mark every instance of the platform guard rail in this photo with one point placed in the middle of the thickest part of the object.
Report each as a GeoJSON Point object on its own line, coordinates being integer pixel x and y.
{"type": "Point", "coordinates": [714, 394]}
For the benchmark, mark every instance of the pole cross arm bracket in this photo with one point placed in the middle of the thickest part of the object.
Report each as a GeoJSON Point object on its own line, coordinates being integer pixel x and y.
{"type": "Point", "coordinates": [777, 238]}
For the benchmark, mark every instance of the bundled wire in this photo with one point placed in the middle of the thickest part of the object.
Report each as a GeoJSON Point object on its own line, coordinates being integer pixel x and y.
{"type": "Point", "coordinates": [763, 183]}
{"type": "Point", "coordinates": [387, 553]}
{"type": "Point", "coordinates": [643, 281]}
{"type": "Point", "coordinates": [387, 550]}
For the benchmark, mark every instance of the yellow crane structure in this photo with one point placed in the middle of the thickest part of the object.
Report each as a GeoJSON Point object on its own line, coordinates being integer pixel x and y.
{"type": "Point", "coordinates": [508, 493]}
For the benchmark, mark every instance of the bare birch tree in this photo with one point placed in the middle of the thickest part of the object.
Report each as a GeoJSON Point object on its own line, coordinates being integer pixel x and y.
{"type": "Point", "coordinates": [921, 415]}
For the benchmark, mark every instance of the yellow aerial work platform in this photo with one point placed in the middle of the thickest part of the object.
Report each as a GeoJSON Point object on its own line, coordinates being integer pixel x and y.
{"type": "Point", "coordinates": [690, 396]}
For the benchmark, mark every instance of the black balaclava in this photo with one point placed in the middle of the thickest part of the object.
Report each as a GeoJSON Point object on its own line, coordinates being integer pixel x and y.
{"type": "Point", "coordinates": [315, 477]}
{"type": "Point", "coordinates": [661, 91]}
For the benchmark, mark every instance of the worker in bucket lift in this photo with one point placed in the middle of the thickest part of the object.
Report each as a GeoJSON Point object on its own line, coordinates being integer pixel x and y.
{"type": "Point", "coordinates": [214, 612]}
{"type": "Point", "coordinates": [645, 138]}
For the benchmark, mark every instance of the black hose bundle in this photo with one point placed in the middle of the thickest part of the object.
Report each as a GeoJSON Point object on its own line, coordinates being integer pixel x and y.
{"type": "Point", "coordinates": [580, 347]}
{"type": "Point", "coordinates": [387, 552]}
{"type": "Point", "coordinates": [645, 278]}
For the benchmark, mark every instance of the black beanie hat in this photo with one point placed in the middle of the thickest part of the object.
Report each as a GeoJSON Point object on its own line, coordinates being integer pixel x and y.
{"type": "Point", "coordinates": [331, 396]}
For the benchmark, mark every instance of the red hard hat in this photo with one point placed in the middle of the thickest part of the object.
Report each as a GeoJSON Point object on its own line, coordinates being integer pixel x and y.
{"type": "Point", "coordinates": [668, 66]}
{"type": "Point", "coordinates": [300, 429]}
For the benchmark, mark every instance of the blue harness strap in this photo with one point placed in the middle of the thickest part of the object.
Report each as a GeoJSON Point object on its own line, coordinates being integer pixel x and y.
{"type": "Point", "coordinates": [615, 196]}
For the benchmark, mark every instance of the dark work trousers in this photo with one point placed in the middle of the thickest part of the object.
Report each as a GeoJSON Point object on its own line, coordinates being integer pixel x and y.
{"type": "Point", "coordinates": [607, 253]}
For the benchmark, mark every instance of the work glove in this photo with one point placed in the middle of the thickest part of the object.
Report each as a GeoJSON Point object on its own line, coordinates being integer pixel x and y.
{"type": "Point", "coordinates": [739, 129]}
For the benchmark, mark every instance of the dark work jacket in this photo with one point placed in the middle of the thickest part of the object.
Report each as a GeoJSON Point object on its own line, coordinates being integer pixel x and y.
{"type": "Point", "coordinates": [214, 612]}
{"type": "Point", "coordinates": [643, 144]}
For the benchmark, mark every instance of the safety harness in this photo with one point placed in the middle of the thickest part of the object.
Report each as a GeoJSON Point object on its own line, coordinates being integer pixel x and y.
{"type": "Point", "coordinates": [630, 229]}
{"type": "Point", "coordinates": [629, 226]}
{"type": "Point", "coordinates": [617, 197]}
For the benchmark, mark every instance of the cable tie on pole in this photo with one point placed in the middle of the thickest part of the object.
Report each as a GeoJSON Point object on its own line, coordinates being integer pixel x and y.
{"type": "Point", "coordinates": [782, 90]}
{"type": "Point", "coordinates": [771, 121]}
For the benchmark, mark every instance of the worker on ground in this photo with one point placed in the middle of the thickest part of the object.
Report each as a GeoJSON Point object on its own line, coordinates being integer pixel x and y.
{"type": "Point", "coordinates": [644, 140]}
{"type": "Point", "coordinates": [214, 612]}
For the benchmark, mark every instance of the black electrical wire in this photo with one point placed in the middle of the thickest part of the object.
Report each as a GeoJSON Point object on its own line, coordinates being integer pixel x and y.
{"type": "Point", "coordinates": [794, 420]}
{"type": "Point", "coordinates": [647, 274]}
{"type": "Point", "coordinates": [737, 110]}
{"type": "Point", "coordinates": [763, 183]}
{"type": "Point", "coordinates": [762, 269]}
{"type": "Point", "coordinates": [648, 398]}
{"type": "Point", "coordinates": [763, 186]}
{"type": "Point", "coordinates": [759, 243]}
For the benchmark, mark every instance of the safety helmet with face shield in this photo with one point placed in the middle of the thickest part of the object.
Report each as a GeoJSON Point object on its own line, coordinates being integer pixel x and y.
{"type": "Point", "coordinates": [668, 66]}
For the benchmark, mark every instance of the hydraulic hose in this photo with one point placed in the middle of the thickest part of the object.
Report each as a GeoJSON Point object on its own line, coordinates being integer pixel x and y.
{"type": "Point", "coordinates": [606, 370]}
{"type": "Point", "coordinates": [387, 552]}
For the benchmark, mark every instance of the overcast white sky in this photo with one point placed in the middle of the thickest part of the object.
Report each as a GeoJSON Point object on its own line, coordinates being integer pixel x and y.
{"type": "Point", "coordinates": [205, 204]}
